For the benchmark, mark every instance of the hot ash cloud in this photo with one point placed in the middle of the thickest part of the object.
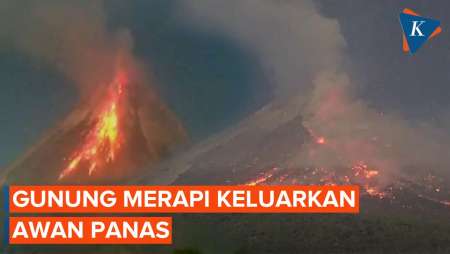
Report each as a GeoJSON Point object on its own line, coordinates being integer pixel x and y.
{"type": "Point", "coordinates": [304, 54]}
{"type": "Point", "coordinates": [291, 38]}
{"type": "Point", "coordinates": [353, 132]}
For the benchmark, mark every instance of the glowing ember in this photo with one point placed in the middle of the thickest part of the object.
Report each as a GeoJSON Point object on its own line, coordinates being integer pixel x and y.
{"type": "Point", "coordinates": [374, 192]}
{"type": "Point", "coordinates": [263, 178]}
{"type": "Point", "coordinates": [361, 169]}
{"type": "Point", "coordinates": [320, 140]}
{"type": "Point", "coordinates": [103, 140]}
{"type": "Point", "coordinates": [359, 174]}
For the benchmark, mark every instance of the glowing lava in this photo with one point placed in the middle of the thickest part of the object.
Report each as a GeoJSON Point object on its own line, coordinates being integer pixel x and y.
{"type": "Point", "coordinates": [320, 140]}
{"type": "Point", "coordinates": [359, 173]}
{"type": "Point", "coordinates": [263, 178]}
{"type": "Point", "coordinates": [362, 169]}
{"type": "Point", "coordinates": [102, 142]}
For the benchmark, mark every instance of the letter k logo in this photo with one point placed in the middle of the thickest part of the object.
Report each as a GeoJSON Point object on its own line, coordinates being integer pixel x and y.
{"type": "Point", "coordinates": [417, 30]}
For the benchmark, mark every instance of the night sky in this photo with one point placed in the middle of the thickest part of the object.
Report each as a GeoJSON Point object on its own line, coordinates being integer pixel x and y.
{"type": "Point", "coordinates": [211, 82]}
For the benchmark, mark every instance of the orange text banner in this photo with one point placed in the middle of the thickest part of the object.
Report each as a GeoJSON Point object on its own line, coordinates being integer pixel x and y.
{"type": "Point", "coordinates": [90, 230]}
{"type": "Point", "coordinates": [184, 199]}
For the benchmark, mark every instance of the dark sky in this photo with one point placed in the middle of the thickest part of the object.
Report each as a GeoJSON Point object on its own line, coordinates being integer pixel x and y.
{"type": "Point", "coordinates": [210, 82]}
{"type": "Point", "coordinates": [30, 101]}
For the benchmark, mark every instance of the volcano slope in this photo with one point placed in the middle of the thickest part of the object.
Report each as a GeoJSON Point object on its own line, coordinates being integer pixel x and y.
{"type": "Point", "coordinates": [118, 129]}
{"type": "Point", "coordinates": [408, 214]}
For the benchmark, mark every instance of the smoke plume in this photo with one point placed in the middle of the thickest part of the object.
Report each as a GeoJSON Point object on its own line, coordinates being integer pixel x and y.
{"type": "Point", "coordinates": [353, 132]}
{"type": "Point", "coordinates": [304, 53]}
{"type": "Point", "coordinates": [71, 36]}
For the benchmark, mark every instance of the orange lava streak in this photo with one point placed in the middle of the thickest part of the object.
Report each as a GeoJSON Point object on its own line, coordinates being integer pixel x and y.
{"type": "Point", "coordinates": [102, 142]}
{"type": "Point", "coordinates": [260, 180]}
{"type": "Point", "coordinates": [266, 176]}
{"type": "Point", "coordinates": [361, 169]}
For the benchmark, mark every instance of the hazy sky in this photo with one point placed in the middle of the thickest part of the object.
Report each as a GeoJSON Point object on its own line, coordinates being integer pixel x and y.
{"type": "Point", "coordinates": [209, 80]}
{"type": "Point", "coordinates": [416, 85]}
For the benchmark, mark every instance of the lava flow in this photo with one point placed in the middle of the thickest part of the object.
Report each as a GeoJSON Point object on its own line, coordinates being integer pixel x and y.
{"type": "Point", "coordinates": [118, 130]}
{"type": "Point", "coordinates": [429, 188]}
{"type": "Point", "coordinates": [103, 141]}
{"type": "Point", "coordinates": [359, 174]}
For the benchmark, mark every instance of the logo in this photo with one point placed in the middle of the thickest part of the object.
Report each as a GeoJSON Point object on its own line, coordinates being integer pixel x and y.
{"type": "Point", "coordinates": [417, 30]}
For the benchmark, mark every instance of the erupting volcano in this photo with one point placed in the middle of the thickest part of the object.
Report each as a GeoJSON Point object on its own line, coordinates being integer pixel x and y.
{"type": "Point", "coordinates": [104, 139]}
{"type": "Point", "coordinates": [120, 128]}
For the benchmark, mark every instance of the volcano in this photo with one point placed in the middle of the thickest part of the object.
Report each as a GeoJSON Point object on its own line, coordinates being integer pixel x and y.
{"type": "Point", "coordinates": [407, 214]}
{"type": "Point", "coordinates": [121, 127]}
{"type": "Point", "coordinates": [261, 151]}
